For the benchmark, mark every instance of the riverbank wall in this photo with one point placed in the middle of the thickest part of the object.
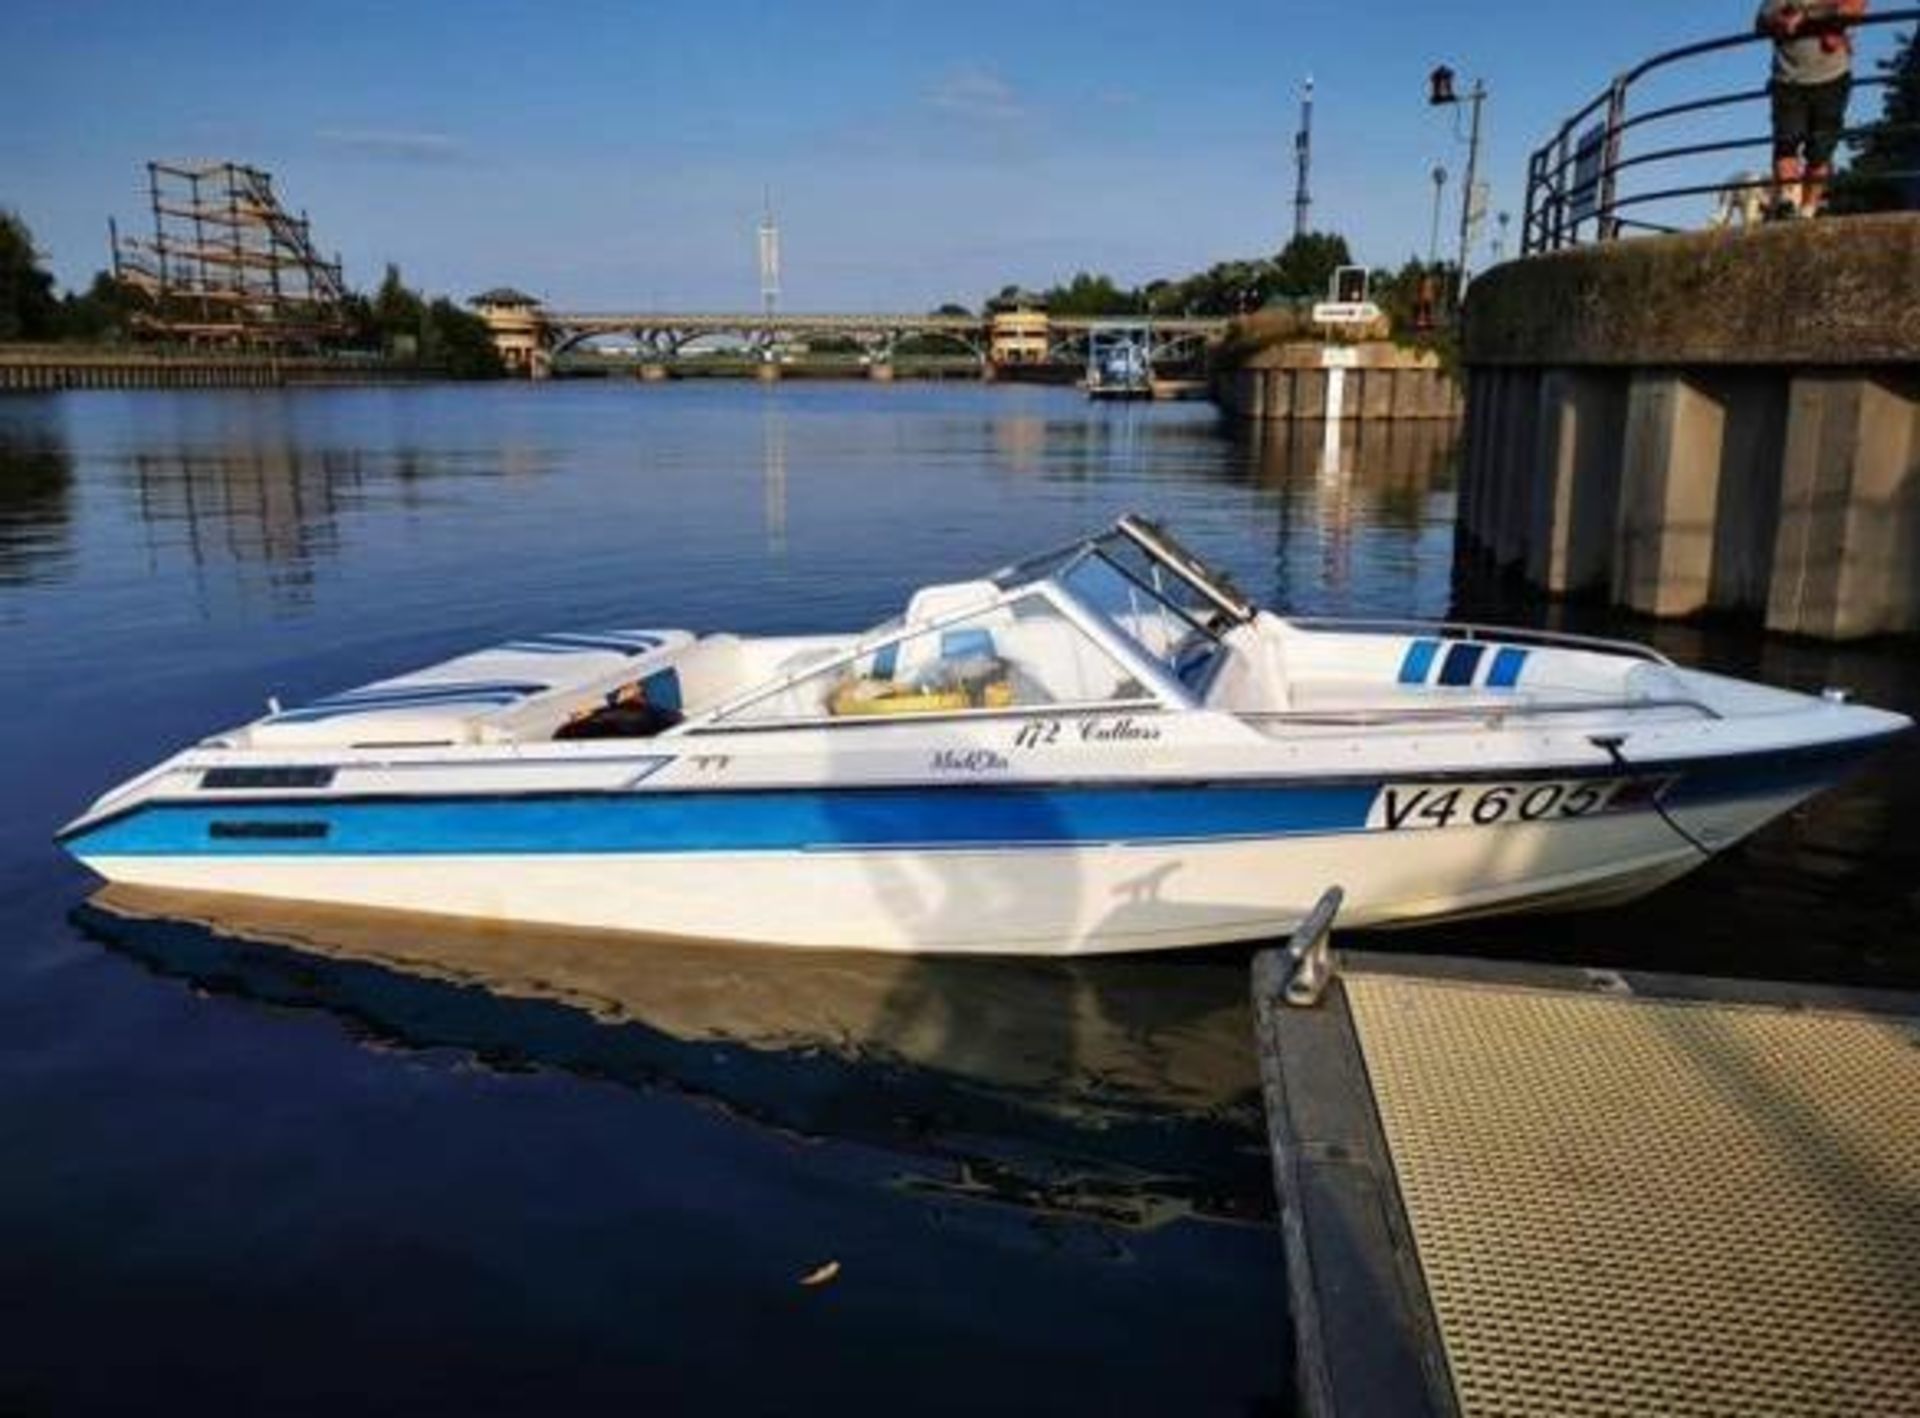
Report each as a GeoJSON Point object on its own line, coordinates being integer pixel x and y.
{"type": "Point", "coordinates": [29, 368]}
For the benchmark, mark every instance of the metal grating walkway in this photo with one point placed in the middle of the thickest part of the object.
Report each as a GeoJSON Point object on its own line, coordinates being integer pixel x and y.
{"type": "Point", "coordinates": [1627, 1205]}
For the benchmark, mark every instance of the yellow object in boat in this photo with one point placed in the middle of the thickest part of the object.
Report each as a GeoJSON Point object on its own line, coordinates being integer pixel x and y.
{"type": "Point", "coordinates": [871, 696]}
{"type": "Point", "coordinates": [879, 696]}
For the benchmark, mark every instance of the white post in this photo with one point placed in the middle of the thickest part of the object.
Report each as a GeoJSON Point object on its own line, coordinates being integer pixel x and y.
{"type": "Point", "coordinates": [1335, 360]}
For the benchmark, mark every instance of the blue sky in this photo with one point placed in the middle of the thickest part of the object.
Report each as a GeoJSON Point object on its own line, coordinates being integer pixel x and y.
{"type": "Point", "coordinates": [612, 155]}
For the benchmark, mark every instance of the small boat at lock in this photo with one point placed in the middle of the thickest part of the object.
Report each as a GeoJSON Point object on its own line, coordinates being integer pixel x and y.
{"type": "Point", "coordinates": [1104, 748]}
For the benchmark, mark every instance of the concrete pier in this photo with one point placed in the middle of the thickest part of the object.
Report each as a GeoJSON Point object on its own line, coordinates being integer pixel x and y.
{"type": "Point", "coordinates": [1723, 421]}
{"type": "Point", "coordinates": [1542, 1190]}
{"type": "Point", "coordinates": [1309, 379]}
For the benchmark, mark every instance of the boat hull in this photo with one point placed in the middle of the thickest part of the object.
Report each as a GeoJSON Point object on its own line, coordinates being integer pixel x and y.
{"type": "Point", "coordinates": [1004, 898]}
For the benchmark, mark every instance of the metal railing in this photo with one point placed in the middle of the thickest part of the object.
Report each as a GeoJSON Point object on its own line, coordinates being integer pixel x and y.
{"type": "Point", "coordinates": [1490, 713]}
{"type": "Point", "coordinates": [1574, 180]}
{"type": "Point", "coordinates": [1489, 634]}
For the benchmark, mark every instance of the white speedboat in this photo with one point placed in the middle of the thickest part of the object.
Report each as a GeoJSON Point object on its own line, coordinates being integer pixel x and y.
{"type": "Point", "coordinates": [1106, 748]}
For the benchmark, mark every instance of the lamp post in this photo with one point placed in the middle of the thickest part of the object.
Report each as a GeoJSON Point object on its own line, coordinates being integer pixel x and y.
{"type": "Point", "coordinates": [1439, 196]}
{"type": "Point", "coordinates": [1440, 93]}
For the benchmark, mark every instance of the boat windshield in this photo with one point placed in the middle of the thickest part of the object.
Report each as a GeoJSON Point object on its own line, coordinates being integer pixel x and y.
{"type": "Point", "coordinates": [1149, 590]}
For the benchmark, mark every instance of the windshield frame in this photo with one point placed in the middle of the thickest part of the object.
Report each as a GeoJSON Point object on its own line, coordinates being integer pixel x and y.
{"type": "Point", "coordinates": [1159, 545]}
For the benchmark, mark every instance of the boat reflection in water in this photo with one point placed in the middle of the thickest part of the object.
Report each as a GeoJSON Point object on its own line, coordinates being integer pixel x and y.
{"type": "Point", "coordinates": [1119, 1091]}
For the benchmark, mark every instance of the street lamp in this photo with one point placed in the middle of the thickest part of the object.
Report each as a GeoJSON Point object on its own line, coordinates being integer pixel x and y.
{"type": "Point", "coordinates": [1440, 94]}
{"type": "Point", "coordinates": [1439, 196]}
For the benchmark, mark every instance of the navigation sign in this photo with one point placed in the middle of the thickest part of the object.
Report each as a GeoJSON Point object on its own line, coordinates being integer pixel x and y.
{"type": "Point", "coordinates": [1347, 302]}
{"type": "Point", "coordinates": [1339, 312]}
{"type": "Point", "coordinates": [1589, 157]}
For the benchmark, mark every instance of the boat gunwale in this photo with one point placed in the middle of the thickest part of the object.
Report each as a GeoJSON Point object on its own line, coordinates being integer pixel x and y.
{"type": "Point", "coordinates": [1494, 713]}
{"type": "Point", "coordinates": [1858, 746]}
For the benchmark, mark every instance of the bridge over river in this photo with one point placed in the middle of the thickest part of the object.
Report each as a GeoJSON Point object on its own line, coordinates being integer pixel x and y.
{"type": "Point", "coordinates": [530, 336]}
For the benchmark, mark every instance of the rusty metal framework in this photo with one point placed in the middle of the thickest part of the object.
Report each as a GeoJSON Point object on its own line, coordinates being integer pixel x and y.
{"type": "Point", "coordinates": [226, 264]}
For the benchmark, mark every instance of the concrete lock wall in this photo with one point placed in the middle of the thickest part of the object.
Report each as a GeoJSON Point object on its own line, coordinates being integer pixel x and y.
{"type": "Point", "coordinates": [1374, 380]}
{"type": "Point", "coordinates": [1724, 421]}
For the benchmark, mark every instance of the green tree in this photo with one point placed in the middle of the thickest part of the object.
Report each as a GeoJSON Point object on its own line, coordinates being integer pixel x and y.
{"type": "Point", "coordinates": [1890, 147]}
{"type": "Point", "coordinates": [459, 342]}
{"type": "Point", "coordinates": [1226, 288]}
{"type": "Point", "coordinates": [1092, 295]}
{"type": "Point", "coordinates": [1301, 272]}
{"type": "Point", "coordinates": [1304, 269]}
{"type": "Point", "coordinates": [104, 311]}
{"type": "Point", "coordinates": [28, 310]}
{"type": "Point", "coordinates": [399, 314]}
{"type": "Point", "coordinates": [363, 331]}
{"type": "Point", "coordinates": [436, 332]}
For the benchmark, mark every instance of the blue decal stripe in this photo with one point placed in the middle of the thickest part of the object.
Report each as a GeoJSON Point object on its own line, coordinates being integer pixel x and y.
{"type": "Point", "coordinates": [1507, 664]}
{"type": "Point", "coordinates": [599, 637]}
{"type": "Point", "coordinates": [427, 690]}
{"type": "Point", "coordinates": [539, 647]}
{"type": "Point", "coordinates": [373, 703]}
{"type": "Point", "coordinates": [1754, 775]}
{"type": "Point", "coordinates": [318, 714]}
{"type": "Point", "coordinates": [1419, 660]}
{"type": "Point", "coordinates": [746, 821]}
{"type": "Point", "coordinates": [568, 642]}
{"type": "Point", "coordinates": [624, 644]}
{"type": "Point", "coordinates": [1461, 662]}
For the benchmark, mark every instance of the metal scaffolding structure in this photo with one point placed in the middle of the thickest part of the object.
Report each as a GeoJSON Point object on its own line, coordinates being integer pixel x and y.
{"type": "Point", "coordinates": [226, 264]}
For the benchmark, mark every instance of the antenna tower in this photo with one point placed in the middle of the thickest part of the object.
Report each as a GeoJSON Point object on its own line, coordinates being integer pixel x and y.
{"type": "Point", "coordinates": [1303, 157]}
{"type": "Point", "coordinates": [769, 259]}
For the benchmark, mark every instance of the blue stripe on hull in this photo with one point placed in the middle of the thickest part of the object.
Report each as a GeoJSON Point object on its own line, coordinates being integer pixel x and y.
{"type": "Point", "coordinates": [1807, 770]}
{"type": "Point", "coordinates": [791, 820]}
{"type": "Point", "coordinates": [932, 816]}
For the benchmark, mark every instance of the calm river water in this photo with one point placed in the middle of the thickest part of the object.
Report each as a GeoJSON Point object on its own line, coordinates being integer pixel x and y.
{"type": "Point", "coordinates": [311, 1166]}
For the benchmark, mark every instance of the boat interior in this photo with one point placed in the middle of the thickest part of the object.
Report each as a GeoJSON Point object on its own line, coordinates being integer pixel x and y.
{"type": "Point", "coordinates": [1278, 675]}
{"type": "Point", "coordinates": [1099, 626]}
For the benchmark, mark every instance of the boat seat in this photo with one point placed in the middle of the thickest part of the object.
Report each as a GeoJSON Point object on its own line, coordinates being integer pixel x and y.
{"type": "Point", "coordinates": [1252, 679]}
{"type": "Point", "coordinates": [936, 602]}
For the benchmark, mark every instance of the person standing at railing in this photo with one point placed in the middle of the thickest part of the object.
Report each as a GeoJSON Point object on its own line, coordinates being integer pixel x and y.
{"type": "Point", "coordinates": [1812, 78]}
